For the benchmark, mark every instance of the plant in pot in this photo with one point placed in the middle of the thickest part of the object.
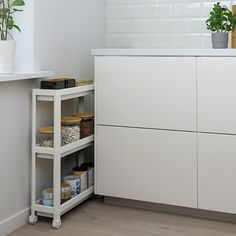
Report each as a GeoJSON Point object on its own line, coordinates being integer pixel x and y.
{"type": "Point", "coordinates": [7, 23]}
{"type": "Point", "coordinates": [220, 22]}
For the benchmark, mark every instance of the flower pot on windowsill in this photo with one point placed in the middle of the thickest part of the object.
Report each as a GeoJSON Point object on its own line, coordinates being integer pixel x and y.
{"type": "Point", "coordinates": [220, 40]}
{"type": "Point", "coordinates": [7, 56]}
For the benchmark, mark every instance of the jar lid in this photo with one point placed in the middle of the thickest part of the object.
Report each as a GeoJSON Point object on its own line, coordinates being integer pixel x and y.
{"type": "Point", "coordinates": [85, 115]}
{"type": "Point", "coordinates": [80, 169]}
{"type": "Point", "coordinates": [48, 193]}
{"type": "Point", "coordinates": [70, 120]}
{"type": "Point", "coordinates": [71, 177]}
{"type": "Point", "coordinates": [87, 165]}
{"type": "Point", "coordinates": [48, 130]}
{"type": "Point", "coordinates": [65, 187]}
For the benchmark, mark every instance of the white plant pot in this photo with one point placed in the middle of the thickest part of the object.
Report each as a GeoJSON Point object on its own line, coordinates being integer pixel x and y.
{"type": "Point", "coordinates": [7, 56]}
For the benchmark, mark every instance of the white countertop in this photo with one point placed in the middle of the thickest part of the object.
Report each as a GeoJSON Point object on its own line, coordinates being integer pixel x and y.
{"type": "Point", "coordinates": [25, 75]}
{"type": "Point", "coordinates": [164, 52]}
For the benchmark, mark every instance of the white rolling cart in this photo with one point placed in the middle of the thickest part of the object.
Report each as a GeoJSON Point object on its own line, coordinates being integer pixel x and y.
{"type": "Point", "coordinates": [56, 153]}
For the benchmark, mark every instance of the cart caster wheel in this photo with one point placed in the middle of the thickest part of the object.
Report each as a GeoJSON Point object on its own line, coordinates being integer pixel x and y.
{"type": "Point", "coordinates": [56, 224]}
{"type": "Point", "coordinates": [33, 220]}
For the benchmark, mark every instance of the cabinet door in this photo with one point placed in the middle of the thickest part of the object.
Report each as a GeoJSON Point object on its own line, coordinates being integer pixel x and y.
{"type": "Point", "coordinates": [147, 165]}
{"type": "Point", "coordinates": [217, 94]}
{"type": "Point", "coordinates": [217, 172]}
{"type": "Point", "coordinates": [153, 92]}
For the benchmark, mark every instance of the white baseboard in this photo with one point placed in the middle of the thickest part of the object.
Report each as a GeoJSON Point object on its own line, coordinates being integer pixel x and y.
{"type": "Point", "coordinates": [14, 222]}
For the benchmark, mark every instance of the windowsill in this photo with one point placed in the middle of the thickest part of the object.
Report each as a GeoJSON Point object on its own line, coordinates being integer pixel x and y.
{"type": "Point", "coordinates": [25, 75]}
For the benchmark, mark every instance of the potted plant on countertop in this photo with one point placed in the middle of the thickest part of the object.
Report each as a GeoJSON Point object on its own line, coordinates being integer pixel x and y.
{"type": "Point", "coordinates": [7, 23]}
{"type": "Point", "coordinates": [220, 22]}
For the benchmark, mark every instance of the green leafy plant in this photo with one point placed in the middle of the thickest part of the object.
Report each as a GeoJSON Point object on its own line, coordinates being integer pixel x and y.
{"type": "Point", "coordinates": [7, 23]}
{"type": "Point", "coordinates": [221, 19]}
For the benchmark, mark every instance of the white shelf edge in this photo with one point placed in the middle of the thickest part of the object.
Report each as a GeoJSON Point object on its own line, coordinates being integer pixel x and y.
{"type": "Point", "coordinates": [48, 211]}
{"type": "Point", "coordinates": [25, 75]}
{"type": "Point", "coordinates": [68, 93]}
{"type": "Point", "coordinates": [76, 200]}
{"type": "Point", "coordinates": [47, 153]}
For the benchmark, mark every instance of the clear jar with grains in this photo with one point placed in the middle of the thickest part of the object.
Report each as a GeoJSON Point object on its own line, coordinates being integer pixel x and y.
{"type": "Point", "coordinates": [71, 126]}
{"type": "Point", "coordinates": [46, 136]}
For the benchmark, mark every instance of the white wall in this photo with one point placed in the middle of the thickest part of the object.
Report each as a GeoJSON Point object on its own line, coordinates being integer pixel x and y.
{"type": "Point", "coordinates": [63, 33]}
{"type": "Point", "coordinates": [158, 24]}
{"type": "Point", "coordinates": [24, 60]}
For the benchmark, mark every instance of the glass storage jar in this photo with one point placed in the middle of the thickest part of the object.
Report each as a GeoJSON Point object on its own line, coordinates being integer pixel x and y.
{"type": "Point", "coordinates": [65, 192]}
{"type": "Point", "coordinates": [47, 197]}
{"type": "Point", "coordinates": [87, 124]}
{"type": "Point", "coordinates": [71, 126]}
{"type": "Point", "coordinates": [46, 136]}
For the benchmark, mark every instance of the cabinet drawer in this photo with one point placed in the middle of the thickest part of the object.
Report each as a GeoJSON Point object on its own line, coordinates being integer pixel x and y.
{"type": "Point", "coordinates": [217, 94]}
{"type": "Point", "coordinates": [147, 165]}
{"type": "Point", "coordinates": [153, 92]}
{"type": "Point", "coordinates": [217, 172]}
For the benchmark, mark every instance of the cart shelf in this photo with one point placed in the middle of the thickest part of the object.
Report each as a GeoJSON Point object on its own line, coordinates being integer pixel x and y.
{"type": "Point", "coordinates": [57, 152]}
{"type": "Point", "coordinates": [48, 153]}
{"type": "Point", "coordinates": [48, 211]}
{"type": "Point", "coordinates": [65, 94]}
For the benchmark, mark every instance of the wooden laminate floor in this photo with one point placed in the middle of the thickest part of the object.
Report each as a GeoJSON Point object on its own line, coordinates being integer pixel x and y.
{"type": "Point", "coordinates": [96, 218]}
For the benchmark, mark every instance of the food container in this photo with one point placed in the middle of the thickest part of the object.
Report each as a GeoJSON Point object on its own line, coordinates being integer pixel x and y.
{"type": "Point", "coordinates": [58, 83]}
{"type": "Point", "coordinates": [80, 82]}
{"type": "Point", "coordinates": [82, 173]}
{"type": "Point", "coordinates": [83, 82]}
{"type": "Point", "coordinates": [65, 192]}
{"type": "Point", "coordinates": [90, 173]}
{"type": "Point", "coordinates": [74, 182]}
{"type": "Point", "coordinates": [71, 126]}
{"type": "Point", "coordinates": [87, 124]}
{"type": "Point", "coordinates": [46, 136]}
{"type": "Point", "coordinates": [47, 197]}
{"type": "Point", "coordinates": [69, 82]}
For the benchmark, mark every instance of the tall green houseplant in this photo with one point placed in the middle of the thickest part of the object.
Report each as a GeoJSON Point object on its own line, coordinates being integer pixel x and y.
{"type": "Point", "coordinates": [7, 22]}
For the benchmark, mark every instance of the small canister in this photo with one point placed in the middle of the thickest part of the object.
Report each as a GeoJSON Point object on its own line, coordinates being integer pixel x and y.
{"type": "Point", "coordinates": [65, 192]}
{"type": "Point", "coordinates": [90, 173]}
{"type": "Point", "coordinates": [82, 173]}
{"type": "Point", "coordinates": [46, 136]}
{"type": "Point", "coordinates": [47, 197]}
{"type": "Point", "coordinates": [74, 182]}
{"type": "Point", "coordinates": [71, 131]}
{"type": "Point", "coordinates": [87, 124]}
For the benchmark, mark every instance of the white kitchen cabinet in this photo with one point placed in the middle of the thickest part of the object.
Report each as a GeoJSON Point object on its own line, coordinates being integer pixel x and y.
{"type": "Point", "coordinates": [150, 109]}
{"type": "Point", "coordinates": [150, 92]}
{"type": "Point", "coordinates": [217, 172]}
{"type": "Point", "coordinates": [148, 165]}
{"type": "Point", "coordinates": [216, 78]}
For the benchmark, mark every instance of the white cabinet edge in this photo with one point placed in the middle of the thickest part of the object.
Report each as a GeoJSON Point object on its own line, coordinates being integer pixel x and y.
{"type": "Point", "coordinates": [164, 52]}
{"type": "Point", "coordinates": [25, 75]}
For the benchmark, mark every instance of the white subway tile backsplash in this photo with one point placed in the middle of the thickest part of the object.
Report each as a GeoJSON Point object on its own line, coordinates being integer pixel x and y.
{"type": "Point", "coordinates": [159, 11]}
{"type": "Point", "coordinates": [172, 26]}
{"type": "Point", "coordinates": [145, 26]}
{"type": "Point", "coordinates": [122, 26]}
{"type": "Point", "coordinates": [159, 23]}
{"type": "Point", "coordinates": [136, 11]}
{"type": "Point", "coordinates": [186, 9]}
{"type": "Point", "coordinates": [197, 25]}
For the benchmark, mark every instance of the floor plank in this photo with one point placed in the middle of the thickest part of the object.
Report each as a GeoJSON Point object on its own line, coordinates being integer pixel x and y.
{"type": "Point", "coordinates": [96, 218]}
